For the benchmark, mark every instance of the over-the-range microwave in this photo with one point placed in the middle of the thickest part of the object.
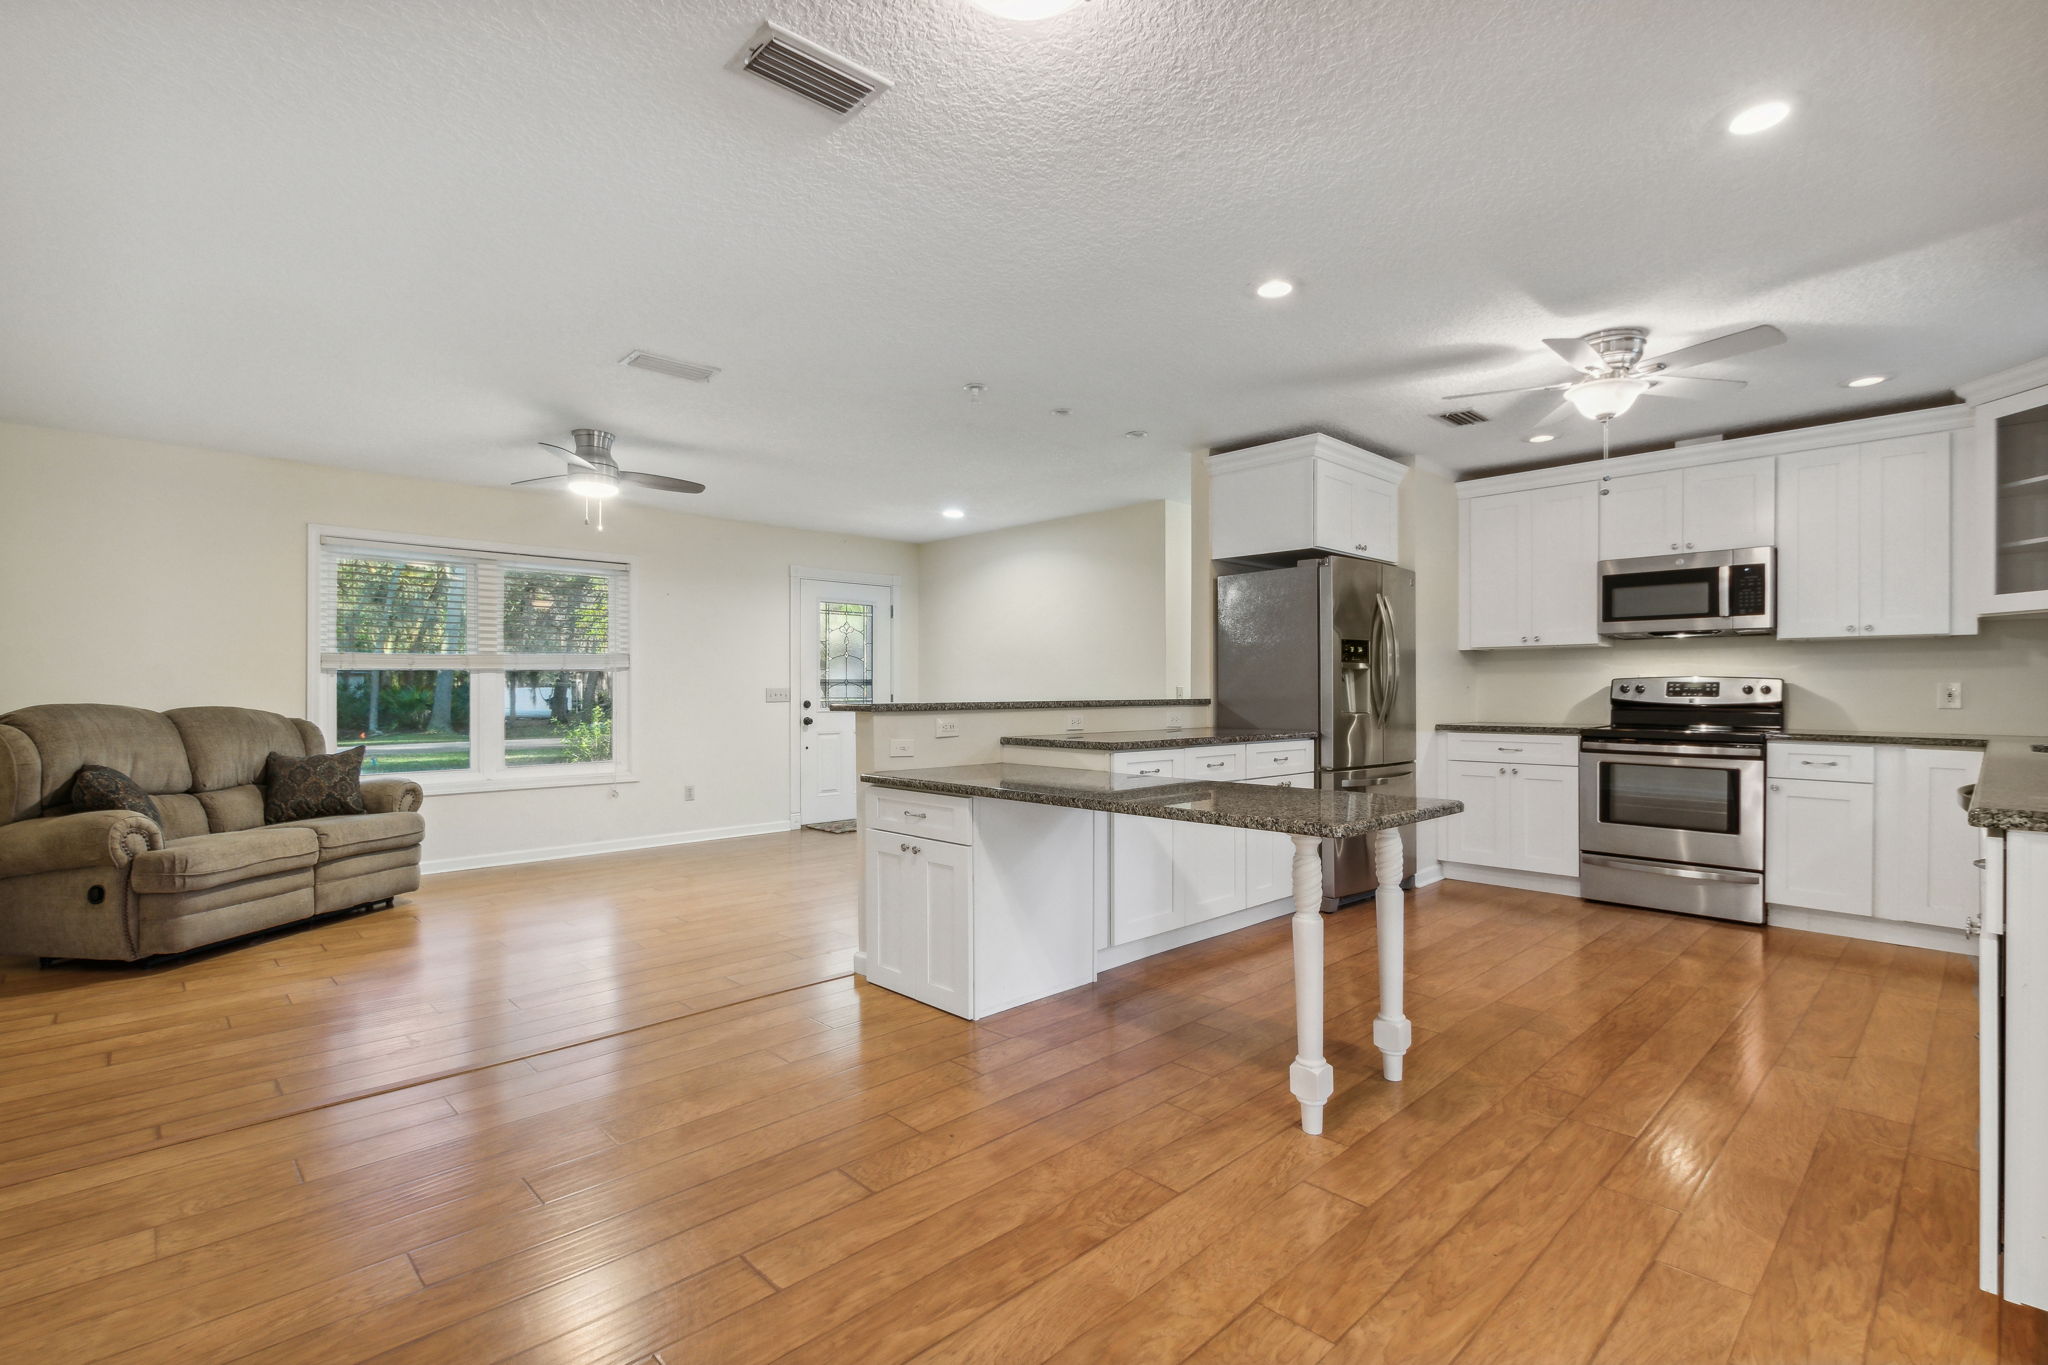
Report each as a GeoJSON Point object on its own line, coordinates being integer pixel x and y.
{"type": "Point", "coordinates": [1711, 592]}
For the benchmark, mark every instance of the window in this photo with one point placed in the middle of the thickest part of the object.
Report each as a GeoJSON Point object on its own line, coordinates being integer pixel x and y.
{"type": "Point", "coordinates": [457, 663]}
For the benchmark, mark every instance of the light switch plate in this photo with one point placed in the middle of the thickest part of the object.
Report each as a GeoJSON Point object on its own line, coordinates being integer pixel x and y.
{"type": "Point", "coordinates": [1949, 697]}
{"type": "Point", "coordinates": [946, 727]}
{"type": "Point", "coordinates": [778, 694]}
{"type": "Point", "coordinates": [1076, 724]}
{"type": "Point", "coordinates": [900, 748]}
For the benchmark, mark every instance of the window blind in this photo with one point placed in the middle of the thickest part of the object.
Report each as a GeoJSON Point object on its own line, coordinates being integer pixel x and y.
{"type": "Point", "coordinates": [405, 607]}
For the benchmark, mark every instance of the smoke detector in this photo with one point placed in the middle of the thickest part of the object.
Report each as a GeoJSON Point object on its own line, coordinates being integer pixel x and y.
{"type": "Point", "coordinates": [674, 369]}
{"type": "Point", "coordinates": [810, 72]}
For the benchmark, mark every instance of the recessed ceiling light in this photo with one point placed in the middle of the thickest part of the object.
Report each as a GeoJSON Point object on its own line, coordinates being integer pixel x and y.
{"type": "Point", "coordinates": [1866, 381]}
{"type": "Point", "coordinates": [1540, 437]}
{"type": "Point", "coordinates": [1275, 289]}
{"type": "Point", "coordinates": [1136, 435]}
{"type": "Point", "coordinates": [953, 513]}
{"type": "Point", "coordinates": [1026, 9]}
{"type": "Point", "coordinates": [1758, 117]}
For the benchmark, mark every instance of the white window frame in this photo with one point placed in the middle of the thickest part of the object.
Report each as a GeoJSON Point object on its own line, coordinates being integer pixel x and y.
{"type": "Point", "coordinates": [487, 771]}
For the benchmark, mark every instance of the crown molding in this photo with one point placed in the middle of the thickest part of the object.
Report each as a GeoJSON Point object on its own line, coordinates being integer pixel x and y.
{"type": "Point", "coordinates": [2005, 383]}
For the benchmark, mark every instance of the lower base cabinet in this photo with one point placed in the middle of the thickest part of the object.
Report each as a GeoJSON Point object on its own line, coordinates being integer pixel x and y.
{"type": "Point", "coordinates": [1521, 816]}
{"type": "Point", "coordinates": [920, 895]}
{"type": "Point", "coordinates": [1819, 841]}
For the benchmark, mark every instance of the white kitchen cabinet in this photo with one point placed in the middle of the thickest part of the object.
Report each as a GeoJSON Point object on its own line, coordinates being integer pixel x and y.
{"type": "Point", "coordinates": [1522, 816]}
{"type": "Point", "coordinates": [1141, 880]}
{"type": "Point", "coordinates": [2009, 503]}
{"type": "Point", "coordinates": [1863, 540]}
{"type": "Point", "coordinates": [1269, 858]}
{"type": "Point", "coordinates": [1726, 505]}
{"type": "Point", "coordinates": [920, 908]}
{"type": "Point", "coordinates": [1926, 846]}
{"type": "Point", "coordinates": [2013, 992]}
{"type": "Point", "coordinates": [1819, 840]}
{"type": "Point", "coordinates": [1309, 493]}
{"type": "Point", "coordinates": [1529, 573]}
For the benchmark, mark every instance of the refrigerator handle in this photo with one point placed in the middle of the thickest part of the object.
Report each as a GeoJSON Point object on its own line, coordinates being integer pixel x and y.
{"type": "Point", "coordinates": [1388, 648]}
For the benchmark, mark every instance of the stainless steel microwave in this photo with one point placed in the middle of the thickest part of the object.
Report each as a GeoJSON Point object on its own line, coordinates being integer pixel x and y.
{"type": "Point", "coordinates": [1711, 592]}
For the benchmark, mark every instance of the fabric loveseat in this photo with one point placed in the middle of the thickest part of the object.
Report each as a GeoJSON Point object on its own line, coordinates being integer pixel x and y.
{"type": "Point", "coordinates": [116, 885]}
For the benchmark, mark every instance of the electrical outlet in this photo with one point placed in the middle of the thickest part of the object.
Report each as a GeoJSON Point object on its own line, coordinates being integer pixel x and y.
{"type": "Point", "coordinates": [778, 694]}
{"type": "Point", "coordinates": [900, 748]}
{"type": "Point", "coordinates": [1076, 724]}
{"type": "Point", "coordinates": [689, 792]}
{"type": "Point", "coordinates": [1950, 697]}
{"type": "Point", "coordinates": [946, 727]}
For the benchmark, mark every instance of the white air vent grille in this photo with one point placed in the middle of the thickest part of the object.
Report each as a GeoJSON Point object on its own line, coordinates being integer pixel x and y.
{"type": "Point", "coordinates": [1463, 417]}
{"type": "Point", "coordinates": [674, 369]}
{"type": "Point", "coordinates": [814, 73]}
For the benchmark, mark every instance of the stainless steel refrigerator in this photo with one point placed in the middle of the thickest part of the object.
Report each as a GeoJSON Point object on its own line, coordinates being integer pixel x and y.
{"type": "Point", "coordinates": [1327, 644]}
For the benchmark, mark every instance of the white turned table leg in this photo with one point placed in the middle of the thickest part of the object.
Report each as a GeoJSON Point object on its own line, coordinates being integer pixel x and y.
{"type": "Point", "coordinates": [1310, 1078]}
{"type": "Point", "coordinates": [1390, 1029]}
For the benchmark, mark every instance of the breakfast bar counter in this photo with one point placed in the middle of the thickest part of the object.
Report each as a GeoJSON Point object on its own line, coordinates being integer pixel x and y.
{"type": "Point", "coordinates": [1023, 870]}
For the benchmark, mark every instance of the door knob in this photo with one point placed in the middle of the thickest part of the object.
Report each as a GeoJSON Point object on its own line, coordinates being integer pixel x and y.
{"type": "Point", "coordinates": [807, 703]}
{"type": "Point", "coordinates": [809, 719]}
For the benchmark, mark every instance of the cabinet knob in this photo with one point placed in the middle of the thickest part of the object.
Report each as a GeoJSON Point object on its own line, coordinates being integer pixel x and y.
{"type": "Point", "coordinates": [1850, 629]}
{"type": "Point", "coordinates": [1688, 545]}
{"type": "Point", "coordinates": [1536, 639]}
{"type": "Point", "coordinates": [1516, 771]}
{"type": "Point", "coordinates": [1870, 628]}
{"type": "Point", "coordinates": [1674, 544]}
{"type": "Point", "coordinates": [903, 848]}
{"type": "Point", "coordinates": [1358, 547]}
{"type": "Point", "coordinates": [1525, 639]}
{"type": "Point", "coordinates": [1503, 772]}
{"type": "Point", "coordinates": [1776, 787]}
{"type": "Point", "coordinates": [1605, 491]}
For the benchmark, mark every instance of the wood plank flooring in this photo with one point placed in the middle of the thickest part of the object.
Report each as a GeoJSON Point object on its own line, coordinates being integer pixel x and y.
{"type": "Point", "coordinates": [1626, 1138]}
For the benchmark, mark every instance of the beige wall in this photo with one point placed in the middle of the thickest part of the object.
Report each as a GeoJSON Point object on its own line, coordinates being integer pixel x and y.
{"type": "Point", "coordinates": [1085, 607]}
{"type": "Point", "coordinates": [161, 576]}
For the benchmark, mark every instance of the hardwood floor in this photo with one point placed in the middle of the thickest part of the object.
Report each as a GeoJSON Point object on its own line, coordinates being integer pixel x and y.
{"type": "Point", "coordinates": [1625, 1138]}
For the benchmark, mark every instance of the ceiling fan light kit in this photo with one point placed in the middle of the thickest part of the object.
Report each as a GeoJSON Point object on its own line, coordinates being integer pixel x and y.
{"type": "Point", "coordinates": [595, 476]}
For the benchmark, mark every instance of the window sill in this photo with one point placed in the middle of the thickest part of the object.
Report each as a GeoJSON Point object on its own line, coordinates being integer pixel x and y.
{"type": "Point", "coordinates": [465, 784]}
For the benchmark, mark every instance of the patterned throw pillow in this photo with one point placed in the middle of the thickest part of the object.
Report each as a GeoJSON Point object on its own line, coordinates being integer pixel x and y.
{"type": "Point", "coordinates": [319, 784]}
{"type": "Point", "coordinates": [101, 788]}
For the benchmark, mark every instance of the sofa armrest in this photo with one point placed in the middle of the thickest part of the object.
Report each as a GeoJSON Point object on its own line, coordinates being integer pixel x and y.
{"type": "Point", "coordinates": [92, 838]}
{"type": "Point", "coordinates": [391, 793]}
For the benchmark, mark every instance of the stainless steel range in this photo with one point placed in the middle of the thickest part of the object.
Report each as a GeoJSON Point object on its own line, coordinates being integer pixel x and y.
{"type": "Point", "coordinates": [1671, 795]}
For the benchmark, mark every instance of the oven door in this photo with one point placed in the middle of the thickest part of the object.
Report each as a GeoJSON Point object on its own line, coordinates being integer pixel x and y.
{"type": "Point", "coordinates": [1666, 600]}
{"type": "Point", "coordinates": [1681, 803]}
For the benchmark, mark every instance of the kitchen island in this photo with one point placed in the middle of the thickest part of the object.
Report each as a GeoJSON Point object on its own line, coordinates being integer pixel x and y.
{"type": "Point", "coordinates": [981, 880]}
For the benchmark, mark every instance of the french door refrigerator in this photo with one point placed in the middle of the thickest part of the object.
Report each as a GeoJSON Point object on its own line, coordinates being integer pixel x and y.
{"type": "Point", "coordinates": [1327, 644]}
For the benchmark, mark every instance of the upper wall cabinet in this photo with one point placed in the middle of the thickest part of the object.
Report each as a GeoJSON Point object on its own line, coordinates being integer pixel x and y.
{"type": "Point", "coordinates": [2012, 501]}
{"type": "Point", "coordinates": [1724, 506]}
{"type": "Point", "coordinates": [1529, 573]}
{"type": "Point", "coordinates": [1309, 493]}
{"type": "Point", "coordinates": [1863, 539]}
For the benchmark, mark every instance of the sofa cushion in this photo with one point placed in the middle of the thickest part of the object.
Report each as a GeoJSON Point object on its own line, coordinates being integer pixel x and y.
{"type": "Point", "coordinates": [98, 787]}
{"type": "Point", "coordinates": [143, 744]}
{"type": "Point", "coordinates": [232, 808]}
{"type": "Point", "coordinates": [229, 745]}
{"type": "Point", "coordinates": [345, 836]}
{"type": "Point", "coordinates": [310, 787]}
{"type": "Point", "coordinates": [181, 815]}
{"type": "Point", "coordinates": [218, 859]}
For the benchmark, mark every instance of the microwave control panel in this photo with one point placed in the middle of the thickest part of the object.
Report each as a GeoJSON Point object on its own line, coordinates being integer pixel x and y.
{"type": "Point", "coordinates": [1749, 591]}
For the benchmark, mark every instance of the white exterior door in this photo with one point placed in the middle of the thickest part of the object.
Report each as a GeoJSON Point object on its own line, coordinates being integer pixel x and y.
{"type": "Point", "coordinates": [845, 650]}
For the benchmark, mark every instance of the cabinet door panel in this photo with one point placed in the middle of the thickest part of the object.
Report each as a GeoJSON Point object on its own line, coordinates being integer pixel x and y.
{"type": "Point", "coordinates": [1926, 846]}
{"type": "Point", "coordinates": [921, 920]}
{"type": "Point", "coordinates": [1479, 833]}
{"type": "Point", "coordinates": [1731, 506]}
{"type": "Point", "coordinates": [1495, 591]}
{"type": "Point", "coordinates": [1819, 842]}
{"type": "Point", "coordinates": [1141, 879]}
{"type": "Point", "coordinates": [1561, 564]}
{"type": "Point", "coordinates": [1819, 544]}
{"type": "Point", "coordinates": [1355, 513]}
{"type": "Point", "coordinates": [1269, 858]}
{"type": "Point", "coordinates": [1642, 514]}
{"type": "Point", "coordinates": [1208, 870]}
{"type": "Point", "coordinates": [1905, 536]}
{"type": "Point", "coordinates": [1543, 819]}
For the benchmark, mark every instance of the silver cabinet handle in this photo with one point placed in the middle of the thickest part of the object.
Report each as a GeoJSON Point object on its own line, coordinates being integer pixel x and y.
{"type": "Point", "coordinates": [1977, 863]}
{"type": "Point", "coordinates": [916, 815]}
{"type": "Point", "coordinates": [1820, 763]}
{"type": "Point", "coordinates": [1220, 763]}
{"type": "Point", "coordinates": [1507, 748]}
{"type": "Point", "coordinates": [1150, 772]}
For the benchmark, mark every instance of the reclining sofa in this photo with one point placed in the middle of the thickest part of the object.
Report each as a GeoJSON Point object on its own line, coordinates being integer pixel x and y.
{"type": "Point", "coordinates": [115, 885]}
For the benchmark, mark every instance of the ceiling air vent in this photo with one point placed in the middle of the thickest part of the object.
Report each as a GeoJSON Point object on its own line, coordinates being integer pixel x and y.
{"type": "Point", "coordinates": [1463, 417]}
{"type": "Point", "coordinates": [674, 369]}
{"type": "Point", "coordinates": [803, 68]}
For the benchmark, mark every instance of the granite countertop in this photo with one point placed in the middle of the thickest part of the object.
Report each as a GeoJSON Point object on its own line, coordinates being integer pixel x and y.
{"type": "Point", "coordinates": [1487, 727]}
{"type": "Point", "coordinates": [884, 706]}
{"type": "Point", "coordinates": [1873, 737]}
{"type": "Point", "coordinates": [2012, 789]}
{"type": "Point", "coordinates": [1240, 805]}
{"type": "Point", "coordinates": [1194, 737]}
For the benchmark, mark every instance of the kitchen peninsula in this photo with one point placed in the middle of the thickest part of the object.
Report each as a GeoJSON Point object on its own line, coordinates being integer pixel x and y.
{"type": "Point", "coordinates": [985, 884]}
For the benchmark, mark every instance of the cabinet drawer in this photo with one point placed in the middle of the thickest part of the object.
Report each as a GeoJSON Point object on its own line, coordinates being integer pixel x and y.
{"type": "Point", "coordinates": [1560, 750]}
{"type": "Point", "coordinates": [1823, 762]}
{"type": "Point", "coordinates": [1158, 764]}
{"type": "Point", "coordinates": [1280, 757]}
{"type": "Point", "coordinates": [927, 815]}
{"type": "Point", "coordinates": [1225, 764]}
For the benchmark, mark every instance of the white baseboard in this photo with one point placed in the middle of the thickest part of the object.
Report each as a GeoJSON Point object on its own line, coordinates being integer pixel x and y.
{"type": "Point", "coordinates": [1892, 931]}
{"type": "Point", "coordinates": [595, 847]}
{"type": "Point", "coordinates": [1428, 874]}
{"type": "Point", "coordinates": [1119, 954]}
{"type": "Point", "coordinates": [1512, 878]}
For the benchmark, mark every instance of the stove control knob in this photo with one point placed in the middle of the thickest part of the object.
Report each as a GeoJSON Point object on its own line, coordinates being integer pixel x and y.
{"type": "Point", "coordinates": [1747, 689]}
{"type": "Point", "coordinates": [1639, 689]}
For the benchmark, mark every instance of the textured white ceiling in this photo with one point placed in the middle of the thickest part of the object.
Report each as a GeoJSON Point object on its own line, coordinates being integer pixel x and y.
{"type": "Point", "coordinates": [417, 235]}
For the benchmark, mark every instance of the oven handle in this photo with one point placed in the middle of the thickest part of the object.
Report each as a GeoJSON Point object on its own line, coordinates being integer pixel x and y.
{"type": "Point", "coordinates": [1673, 750]}
{"type": "Point", "coordinates": [1692, 874]}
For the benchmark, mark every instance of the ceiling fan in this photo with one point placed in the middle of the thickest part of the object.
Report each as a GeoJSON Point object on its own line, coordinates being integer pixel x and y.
{"type": "Point", "coordinates": [1615, 374]}
{"type": "Point", "coordinates": [594, 475]}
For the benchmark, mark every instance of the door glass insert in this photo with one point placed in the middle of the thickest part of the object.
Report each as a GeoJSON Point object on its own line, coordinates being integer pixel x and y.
{"type": "Point", "coordinates": [846, 651]}
{"type": "Point", "coordinates": [1656, 796]}
{"type": "Point", "coordinates": [2023, 501]}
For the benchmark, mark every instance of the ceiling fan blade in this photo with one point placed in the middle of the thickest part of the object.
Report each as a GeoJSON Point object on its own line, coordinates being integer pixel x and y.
{"type": "Point", "coordinates": [659, 482]}
{"type": "Point", "coordinates": [1720, 348]}
{"type": "Point", "coordinates": [1489, 393]}
{"type": "Point", "coordinates": [549, 479]}
{"type": "Point", "coordinates": [574, 458]}
{"type": "Point", "coordinates": [1691, 386]}
{"type": "Point", "coordinates": [1576, 353]}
